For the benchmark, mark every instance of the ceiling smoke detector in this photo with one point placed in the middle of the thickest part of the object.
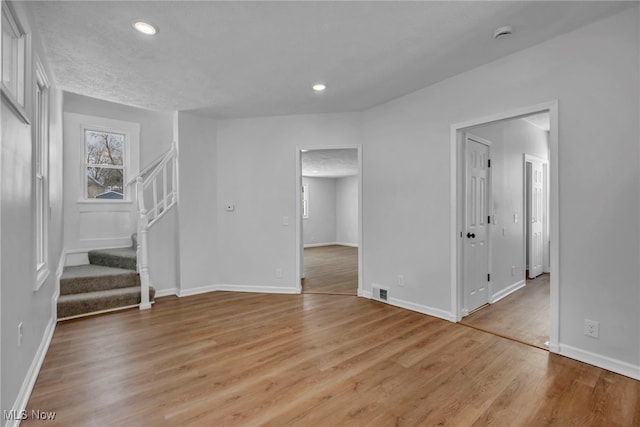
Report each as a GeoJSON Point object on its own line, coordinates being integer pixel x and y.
{"type": "Point", "coordinates": [503, 32]}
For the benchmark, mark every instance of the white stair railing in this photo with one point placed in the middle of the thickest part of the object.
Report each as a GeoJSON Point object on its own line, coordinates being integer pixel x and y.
{"type": "Point", "coordinates": [158, 184]}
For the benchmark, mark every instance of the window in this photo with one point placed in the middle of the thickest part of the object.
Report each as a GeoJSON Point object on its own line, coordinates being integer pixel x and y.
{"type": "Point", "coordinates": [105, 170]}
{"type": "Point", "coordinates": [40, 136]}
{"type": "Point", "coordinates": [305, 201]}
{"type": "Point", "coordinates": [14, 43]}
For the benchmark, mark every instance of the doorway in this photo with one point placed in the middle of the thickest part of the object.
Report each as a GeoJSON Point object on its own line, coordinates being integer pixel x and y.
{"type": "Point", "coordinates": [520, 301]}
{"type": "Point", "coordinates": [329, 226]}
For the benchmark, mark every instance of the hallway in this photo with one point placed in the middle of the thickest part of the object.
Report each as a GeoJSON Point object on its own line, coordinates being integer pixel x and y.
{"type": "Point", "coordinates": [522, 316]}
{"type": "Point", "coordinates": [330, 270]}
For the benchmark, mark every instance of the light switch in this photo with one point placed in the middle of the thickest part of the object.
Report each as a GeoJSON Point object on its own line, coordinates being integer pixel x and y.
{"type": "Point", "coordinates": [285, 220]}
{"type": "Point", "coordinates": [515, 217]}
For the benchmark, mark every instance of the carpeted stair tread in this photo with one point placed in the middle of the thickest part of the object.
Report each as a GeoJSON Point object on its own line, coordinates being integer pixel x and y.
{"type": "Point", "coordinates": [90, 278]}
{"type": "Point", "coordinates": [118, 258]}
{"type": "Point", "coordinates": [91, 302]}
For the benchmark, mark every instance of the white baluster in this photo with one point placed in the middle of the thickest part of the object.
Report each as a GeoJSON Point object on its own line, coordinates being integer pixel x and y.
{"type": "Point", "coordinates": [164, 187]}
{"type": "Point", "coordinates": [155, 198]}
{"type": "Point", "coordinates": [174, 174]}
{"type": "Point", "coordinates": [143, 261]}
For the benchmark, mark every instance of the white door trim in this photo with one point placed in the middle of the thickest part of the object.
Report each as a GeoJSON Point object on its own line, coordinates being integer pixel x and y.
{"type": "Point", "coordinates": [298, 210]}
{"type": "Point", "coordinates": [554, 235]}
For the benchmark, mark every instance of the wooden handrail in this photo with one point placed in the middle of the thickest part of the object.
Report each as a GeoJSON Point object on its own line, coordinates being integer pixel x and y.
{"type": "Point", "coordinates": [151, 165]}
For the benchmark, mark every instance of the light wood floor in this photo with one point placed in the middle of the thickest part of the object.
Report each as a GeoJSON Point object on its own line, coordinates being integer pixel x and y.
{"type": "Point", "coordinates": [331, 270]}
{"type": "Point", "coordinates": [523, 315]}
{"type": "Point", "coordinates": [224, 359]}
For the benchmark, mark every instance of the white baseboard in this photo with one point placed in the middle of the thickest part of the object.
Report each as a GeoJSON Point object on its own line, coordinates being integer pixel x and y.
{"type": "Point", "coordinates": [604, 362]}
{"type": "Point", "coordinates": [30, 380]}
{"type": "Point", "coordinates": [364, 294]}
{"type": "Point", "coordinates": [316, 245]}
{"type": "Point", "coordinates": [507, 291]}
{"type": "Point", "coordinates": [258, 289]}
{"type": "Point", "coordinates": [166, 292]}
{"type": "Point", "coordinates": [195, 291]}
{"type": "Point", "coordinates": [237, 288]}
{"type": "Point", "coordinates": [76, 258]}
{"type": "Point", "coordinates": [353, 245]}
{"type": "Point", "coordinates": [424, 309]}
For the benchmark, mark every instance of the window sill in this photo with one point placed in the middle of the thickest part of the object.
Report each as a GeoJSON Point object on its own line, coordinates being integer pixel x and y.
{"type": "Point", "coordinates": [104, 201]}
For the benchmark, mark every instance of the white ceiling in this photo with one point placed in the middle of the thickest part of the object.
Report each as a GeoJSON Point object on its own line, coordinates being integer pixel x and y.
{"type": "Point", "coordinates": [334, 163]}
{"type": "Point", "coordinates": [238, 59]}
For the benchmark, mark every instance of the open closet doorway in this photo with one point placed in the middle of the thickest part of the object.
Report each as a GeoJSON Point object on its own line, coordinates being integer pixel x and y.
{"type": "Point", "coordinates": [504, 255]}
{"type": "Point", "coordinates": [330, 221]}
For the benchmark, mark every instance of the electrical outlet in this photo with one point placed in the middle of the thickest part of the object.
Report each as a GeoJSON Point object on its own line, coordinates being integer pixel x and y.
{"type": "Point", "coordinates": [513, 270]}
{"type": "Point", "coordinates": [19, 334]}
{"type": "Point", "coordinates": [400, 280]}
{"type": "Point", "coordinates": [591, 328]}
{"type": "Point", "coordinates": [279, 273]}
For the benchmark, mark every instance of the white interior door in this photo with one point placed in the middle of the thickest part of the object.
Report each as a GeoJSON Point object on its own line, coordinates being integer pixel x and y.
{"type": "Point", "coordinates": [536, 220]}
{"type": "Point", "coordinates": [476, 234]}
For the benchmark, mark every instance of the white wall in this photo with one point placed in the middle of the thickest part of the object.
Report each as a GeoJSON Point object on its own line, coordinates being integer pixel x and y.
{"type": "Point", "coordinates": [510, 140]}
{"type": "Point", "coordinates": [198, 202]}
{"type": "Point", "coordinates": [347, 210]}
{"type": "Point", "coordinates": [257, 171]}
{"type": "Point", "coordinates": [593, 73]}
{"type": "Point", "coordinates": [320, 227]}
{"type": "Point", "coordinates": [20, 303]}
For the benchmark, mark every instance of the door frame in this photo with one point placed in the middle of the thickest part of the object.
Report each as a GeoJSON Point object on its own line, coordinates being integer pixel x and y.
{"type": "Point", "coordinates": [468, 135]}
{"type": "Point", "coordinates": [456, 209]}
{"type": "Point", "coordinates": [528, 158]}
{"type": "Point", "coordinates": [298, 209]}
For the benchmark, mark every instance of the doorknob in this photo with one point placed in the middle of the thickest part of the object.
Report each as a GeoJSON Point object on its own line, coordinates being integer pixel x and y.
{"type": "Point", "coordinates": [471, 235]}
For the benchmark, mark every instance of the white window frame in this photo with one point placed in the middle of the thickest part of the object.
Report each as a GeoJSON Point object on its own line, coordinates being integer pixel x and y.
{"type": "Point", "coordinates": [305, 201]}
{"type": "Point", "coordinates": [126, 162]}
{"type": "Point", "coordinates": [40, 137]}
{"type": "Point", "coordinates": [15, 51]}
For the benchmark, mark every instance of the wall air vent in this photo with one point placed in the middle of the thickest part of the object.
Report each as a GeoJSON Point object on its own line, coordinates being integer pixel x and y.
{"type": "Point", "coordinates": [380, 294]}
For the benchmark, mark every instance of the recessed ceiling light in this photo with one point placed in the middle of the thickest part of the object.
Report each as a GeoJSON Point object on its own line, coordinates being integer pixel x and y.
{"type": "Point", "coordinates": [145, 27]}
{"type": "Point", "coordinates": [505, 31]}
{"type": "Point", "coordinates": [319, 87]}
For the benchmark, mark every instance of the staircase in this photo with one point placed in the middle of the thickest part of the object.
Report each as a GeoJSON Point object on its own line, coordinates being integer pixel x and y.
{"type": "Point", "coordinates": [109, 282]}
{"type": "Point", "coordinates": [119, 278]}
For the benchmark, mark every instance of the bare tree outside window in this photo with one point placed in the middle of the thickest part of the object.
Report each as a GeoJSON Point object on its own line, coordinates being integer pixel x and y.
{"type": "Point", "coordinates": [104, 164]}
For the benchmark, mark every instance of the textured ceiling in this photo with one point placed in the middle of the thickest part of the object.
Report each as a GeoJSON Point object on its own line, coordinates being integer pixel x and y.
{"type": "Point", "coordinates": [238, 59]}
{"type": "Point", "coordinates": [333, 163]}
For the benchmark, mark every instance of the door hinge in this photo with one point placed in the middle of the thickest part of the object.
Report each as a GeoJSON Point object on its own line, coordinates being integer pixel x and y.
{"type": "Point", "coordinates": [489, 163]}
{"type": "Point", "coordinates": [489, 277]}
